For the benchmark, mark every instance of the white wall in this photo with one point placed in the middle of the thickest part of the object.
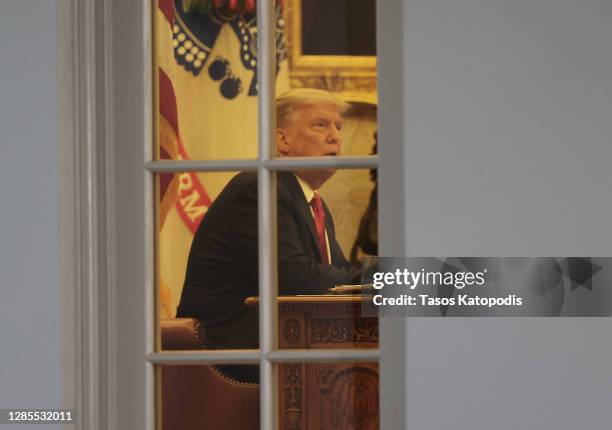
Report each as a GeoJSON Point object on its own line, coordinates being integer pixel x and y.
{"type": "Point", "coordinates": [29, 295]}
{"type": "Point", "coordinates": [509, 145]}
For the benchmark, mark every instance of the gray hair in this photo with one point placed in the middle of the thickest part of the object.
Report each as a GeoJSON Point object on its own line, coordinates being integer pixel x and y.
{"type": "Point", "coordinates": [289, 101]}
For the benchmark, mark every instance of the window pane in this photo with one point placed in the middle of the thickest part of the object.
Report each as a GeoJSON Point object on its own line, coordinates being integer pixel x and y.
{"type": "Point", "coordinates": [321, 249]}
{"type": "Point", "coordinates": [215, 283]}
{"type": "Point", "coordinates": [206, 81]}
{"type": "Point", "coordinates": [207, 257]}
{"type": "Point", "coordinates": [351, 195]}
{"type": "Point", "coordinates": [329, 396]}
{"type": "Point", "coordinates": [203, 397]}
{"type": "Point", "coordinates": [339, 27]}
{"type": "Point", "coordinates": [326, 321]}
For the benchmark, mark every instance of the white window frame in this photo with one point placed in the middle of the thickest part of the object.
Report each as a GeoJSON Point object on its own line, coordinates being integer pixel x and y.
{"type": "Point", "coordinates": [107, 150]}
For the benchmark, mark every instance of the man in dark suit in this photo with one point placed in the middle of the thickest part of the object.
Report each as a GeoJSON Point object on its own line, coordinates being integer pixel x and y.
{"type": "Point", "coordinates": [222, 269]}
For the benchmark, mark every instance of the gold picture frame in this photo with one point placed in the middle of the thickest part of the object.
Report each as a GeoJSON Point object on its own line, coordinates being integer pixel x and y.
{"type": "Point", "coordinates": [353, 77]}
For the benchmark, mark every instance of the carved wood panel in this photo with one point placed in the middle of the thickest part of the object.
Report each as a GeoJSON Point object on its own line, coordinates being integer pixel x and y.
{"type": "Point", "coordinates": [334, 330]}
{"type": "Point", "coordinates": [327, 396]}
{"type": "Point", "coordinates": [348, 397]}
{"type": "Point", "coordinates": [292, 396]}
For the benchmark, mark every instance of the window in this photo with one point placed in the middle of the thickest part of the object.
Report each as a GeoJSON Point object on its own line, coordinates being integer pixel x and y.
{"type": "Point", "coordinates": [186, 56]}
{"type": "Point", "coordinates": [125, 354]}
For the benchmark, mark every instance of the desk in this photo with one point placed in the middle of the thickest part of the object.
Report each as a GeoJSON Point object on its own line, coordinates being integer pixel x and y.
{"type": "Point", "coordinates": [326, 396]}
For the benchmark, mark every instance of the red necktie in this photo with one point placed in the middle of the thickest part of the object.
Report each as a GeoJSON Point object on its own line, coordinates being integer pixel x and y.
{"type": "Point", "coordinates": [319, 219]}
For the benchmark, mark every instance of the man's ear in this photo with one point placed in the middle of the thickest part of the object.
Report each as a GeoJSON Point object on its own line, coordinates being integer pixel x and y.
{"type": "Point", "coordinates": [282, 145]}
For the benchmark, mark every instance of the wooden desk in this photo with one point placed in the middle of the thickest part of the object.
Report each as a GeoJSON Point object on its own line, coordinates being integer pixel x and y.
{"type": "Point", "coordinates": [326, 396]}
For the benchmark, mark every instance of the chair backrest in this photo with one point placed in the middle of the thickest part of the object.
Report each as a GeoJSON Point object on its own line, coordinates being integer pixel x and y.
{"type": "Point", "coordinates": [200, 397]}
{"type": "Point", "coordinates": [182, 334]}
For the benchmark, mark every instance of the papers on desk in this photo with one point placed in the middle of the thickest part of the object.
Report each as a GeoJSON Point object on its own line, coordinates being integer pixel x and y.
{"type": "Point", "coordinates": [350, 289]}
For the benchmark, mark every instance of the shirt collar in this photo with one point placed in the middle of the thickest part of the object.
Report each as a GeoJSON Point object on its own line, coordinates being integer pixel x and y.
{"type": "Point", "coordinates": [306, 189]}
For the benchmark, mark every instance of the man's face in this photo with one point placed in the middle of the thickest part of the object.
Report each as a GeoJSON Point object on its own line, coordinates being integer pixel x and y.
{"type": "Point", "coordinates": [312, 131]}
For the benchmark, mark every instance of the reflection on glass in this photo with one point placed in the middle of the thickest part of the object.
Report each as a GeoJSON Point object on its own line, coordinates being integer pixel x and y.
{"type": "Point", "coordinates": [202, 397]}
{"type": "Point", "coordinates": [205, 68]}
{"type": "Point", "coordinates": [329, 396]}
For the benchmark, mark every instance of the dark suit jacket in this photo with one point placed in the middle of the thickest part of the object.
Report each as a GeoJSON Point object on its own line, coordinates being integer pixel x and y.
{"type": "Point", "coordinates": [222, 269]}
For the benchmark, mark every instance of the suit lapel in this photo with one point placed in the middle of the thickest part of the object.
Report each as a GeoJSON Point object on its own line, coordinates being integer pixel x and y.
{"type": "Point", "coordinates": [303, 208]}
